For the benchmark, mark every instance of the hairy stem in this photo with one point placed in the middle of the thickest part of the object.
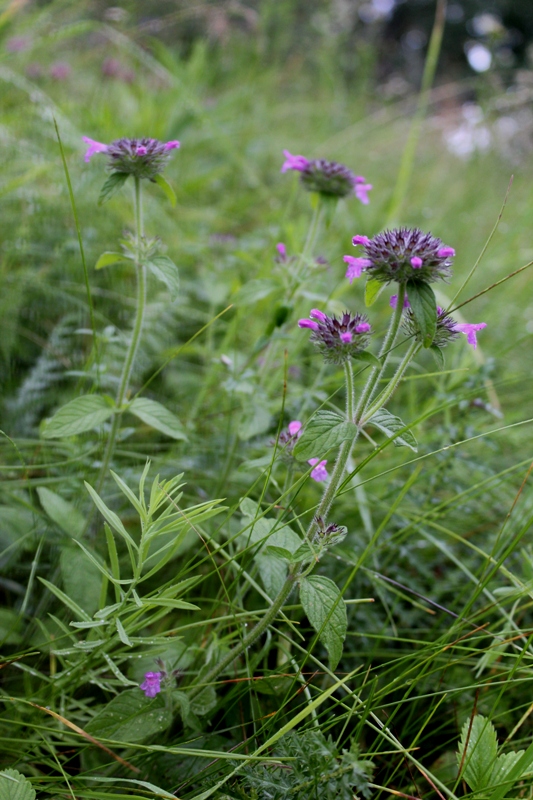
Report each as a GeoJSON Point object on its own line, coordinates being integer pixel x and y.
{"type": "Point", "coordinates": [250, 638]}
{"type": "Point", "coordinates": [391, 387]}
{"type": "Point", "coordinates": [129, 361]}
{"type": "Point", "coordinates": [388, 343]}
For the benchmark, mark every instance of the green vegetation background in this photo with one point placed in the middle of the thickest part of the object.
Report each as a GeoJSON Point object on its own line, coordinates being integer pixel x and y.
{"type": "Point", "coordinates": [235, 104]}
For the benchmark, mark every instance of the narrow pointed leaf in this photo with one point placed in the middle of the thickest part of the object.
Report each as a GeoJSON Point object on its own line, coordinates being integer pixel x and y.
{"type": "Point", "coordinates": [122, 635]}
{"type": "Point", "coordinates": [115, 182]}
{"type": "Point", "coordinates": [167, 188]}
{"type": "Point", "coordinates": [157, 416]}
{"type": "Point", "coordinates": [388, 424]}
{"type": "Point", "coordinates": [164, 269]}
{"type": "Point", "coordinates": [112, 518]}
{"type": "Point", "coordinates": [324, 431]}
{"type": "Point", "coordinates": [80, 415]}
{"type": "Point", "coordinates": [424, 308]}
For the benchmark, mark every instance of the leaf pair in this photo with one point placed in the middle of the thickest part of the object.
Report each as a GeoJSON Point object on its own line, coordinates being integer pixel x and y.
{"type": "Point", "coordinates": [87, 412]}
{"type": "Point", "coordinates": [327, 430]}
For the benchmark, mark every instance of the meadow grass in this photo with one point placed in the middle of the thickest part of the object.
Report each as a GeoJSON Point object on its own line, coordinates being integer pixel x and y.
{"type": "Point", "coordinates": [436, 568]}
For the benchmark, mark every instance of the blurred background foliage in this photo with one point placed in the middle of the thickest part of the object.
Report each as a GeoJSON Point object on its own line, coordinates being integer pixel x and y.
{"type": "Point", "coordinates": [237, 82]}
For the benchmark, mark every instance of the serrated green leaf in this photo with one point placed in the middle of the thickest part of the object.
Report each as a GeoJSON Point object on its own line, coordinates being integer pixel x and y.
{"type": "Point", "coordinates": [157, 416]}
{"type": "Point", "coordinates": [424, 308]}
{"type": "Point", "coordinates": [131, 717]}
{"type": "Point", "coordinates": [108, 258]}
{"type": "Point", "coordinates": [388, 424]}
{"type": "Point", "coordinates": [481, 745]}
{"type": "Point", "coordinates": [167, 188]}
{"type": "Point", "coordinates": [373, 290]}
{"type": "Point", "coordinates": [60, 511]}
{"type": "Point", "coordinates": [325, 430]}
{"type": "Point", "coordinates": [326, 611]}
{"type": "Point", "coordinates": [115, 181]}
{"type": "Point", "coordinates": [368, 358]}
{"type": "Point", "coordinates": [166, 271]}
{"type": "Point", "coordinates": [15, 786]}
{"type": "Point", "coordinates": [80, 415]}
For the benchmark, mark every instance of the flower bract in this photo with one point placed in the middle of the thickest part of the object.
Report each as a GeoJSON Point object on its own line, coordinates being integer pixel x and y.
{"type": "Point", "coordinates": [402, 255]}
{"type": "Point", "coordinates": [143, 158]}
{"type": "Point", "coordinates": [337, 339]}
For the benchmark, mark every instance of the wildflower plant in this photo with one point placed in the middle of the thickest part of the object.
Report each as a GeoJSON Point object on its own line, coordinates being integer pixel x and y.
{"type": "Point", "coordinates": [141, 159]}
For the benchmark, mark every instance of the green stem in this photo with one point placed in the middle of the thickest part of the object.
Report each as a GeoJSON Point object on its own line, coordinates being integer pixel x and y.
{"type": "Point", "coordinates": [393, 384]}
{"type": "Point", "coordinates": [250, 638]}
{"type": "Point", "coordinates": [314, 227]}
{"type": "Point", "coordinates": [345, 450]}
{"type": "Point", "coordinates": [134, 341]}
{"type": "Point", "coordinates": [384, 354]}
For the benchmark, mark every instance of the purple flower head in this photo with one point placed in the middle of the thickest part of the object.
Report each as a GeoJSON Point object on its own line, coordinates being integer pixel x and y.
{"type": "Point", "coordinates": [152, 683]}
{"type": "Point", "coordinates": [447, 328]}
{"type": "Point", "coordinates": [143, 158]}
{"type": "Point", "coordinates": [393, 302]}
{"type": "Point", "coordinates": [337, 339]}
{"type": "Point", "coordinates": [60, 70]}
{"type": "Point", "coordinates": [405, 254]}
{"type": "Point", "coordinates": [319, 473]}
{"type": "Point", "coordinates": [328, 178]}
{"type": "Point", "coordinates": [355, 266]}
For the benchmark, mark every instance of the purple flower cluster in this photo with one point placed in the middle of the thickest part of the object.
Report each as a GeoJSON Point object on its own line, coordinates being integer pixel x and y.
{"type": "Point", "coordinates": [328, 178]}
{"type": "Point", "coordinates": [337, 339]}
{"type": "Point", "coordinates": [401, 255]}
{"type": "Point", "coordinates": [143, 158]}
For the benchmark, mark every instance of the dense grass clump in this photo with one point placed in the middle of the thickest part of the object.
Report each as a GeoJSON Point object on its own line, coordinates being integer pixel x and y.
{"type": "Point", "coordinates": [233, 564]}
